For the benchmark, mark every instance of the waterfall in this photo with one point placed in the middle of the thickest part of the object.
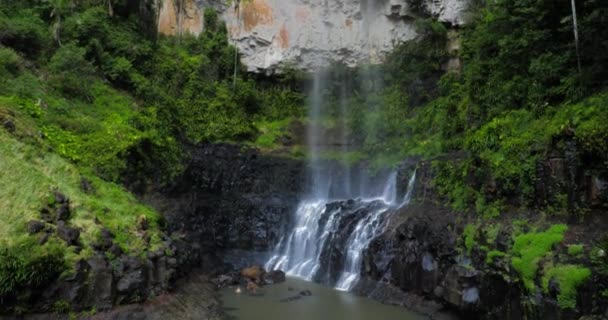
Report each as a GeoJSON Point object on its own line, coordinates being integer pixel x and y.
{"type": "Point", "coordinates": [346, 207]}
{"type": "Point", "coordinates": [369, 228]}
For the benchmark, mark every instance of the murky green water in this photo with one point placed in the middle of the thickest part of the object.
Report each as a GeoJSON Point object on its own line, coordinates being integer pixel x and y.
{"type": "Point", "coordinates": [324, 304]}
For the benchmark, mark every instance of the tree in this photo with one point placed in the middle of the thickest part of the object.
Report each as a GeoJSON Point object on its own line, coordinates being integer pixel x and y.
{"type": "Point", "coordinates": [60, 8]}
{"type": "Point", "coordinates": [576, 42]}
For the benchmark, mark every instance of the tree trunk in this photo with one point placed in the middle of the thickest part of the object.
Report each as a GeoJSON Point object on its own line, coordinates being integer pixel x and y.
{"type": "Point", "coordinates": [576, 42]}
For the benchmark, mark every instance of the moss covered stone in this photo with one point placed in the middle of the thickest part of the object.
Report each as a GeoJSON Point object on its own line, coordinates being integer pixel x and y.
{"type": "Point", "coordinates": [569, 277]}
{"type": "Point", "coordinates": [529, 248]}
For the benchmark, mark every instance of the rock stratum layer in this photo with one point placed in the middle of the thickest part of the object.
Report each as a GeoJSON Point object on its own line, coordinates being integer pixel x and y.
{"type": "Point", "coordinates": [310, 34]}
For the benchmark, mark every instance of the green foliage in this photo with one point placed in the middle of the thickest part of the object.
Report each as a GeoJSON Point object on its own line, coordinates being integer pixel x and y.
{"type": "Point", "coordinates": [29, 173]}
{"type": "Point", "coordinates": [470, 231]}
{"type": "Point", "coordinates": [71, 73]}
{"type": "Point", "coordinates": [529, 248]}
{"type": "Point", "coordinates": [24, 31]}
{"type": "Point", "coordinates": [569, 277]}
{"type": "Point", "coordinates": [270, 132]}
{"type": "Point", "coordinates": [493, 255]}
{"type": "Point", "coordinates": [27, 265]}
{"type": "Point", "coordinates": [61, 306]}
{"type": "Point", "coordinates": [491, 232]}
{"type": "Point", "coordinates": [576, 249]}
{"type": "Point", "coordinates": [123, 103]}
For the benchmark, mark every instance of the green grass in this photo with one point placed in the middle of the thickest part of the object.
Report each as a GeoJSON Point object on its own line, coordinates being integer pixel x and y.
{"type": "Point", "coordinates": [576, 249]}
{"type": "Point", "coordinates": [569, 278]}
{"type": "Point", "coordinates": [270, 132]}
{"type": "Point", "coordinates": [29, 175]}
{"type": "Point", "coordinates": [529, 248]}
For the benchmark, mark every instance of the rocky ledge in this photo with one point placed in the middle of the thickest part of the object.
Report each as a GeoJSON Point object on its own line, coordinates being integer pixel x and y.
{"type": "Point", "coordinates": [433, 258]}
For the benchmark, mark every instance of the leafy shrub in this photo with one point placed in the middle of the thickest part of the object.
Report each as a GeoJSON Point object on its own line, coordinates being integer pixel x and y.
{"type": "Point", "coordinates": [10, 63]}
{"type": "Point", "coordinates": [71, 73]}
{"type": "Point", "coordinates": [24, 31]}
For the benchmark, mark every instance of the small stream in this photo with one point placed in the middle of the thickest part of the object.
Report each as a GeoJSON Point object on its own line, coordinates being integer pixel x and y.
{"type": "Point", "coordinates": [324, 303]}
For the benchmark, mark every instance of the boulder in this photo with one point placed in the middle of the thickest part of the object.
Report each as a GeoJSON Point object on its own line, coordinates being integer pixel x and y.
{"type": "Point", "coordinates": [63, 212]}
{"type": "Point", "coordinates": [9, 126]}
{"type": "Point", "coordinates": [68, 234]}
{"type": "Point", "coordinates": [227, 279]}
{"type": "Point", "coordinates": [35, 226]}
{"type": "Point", "coordinates": [274, 277]}
{"type": "Point", "coordinates": [60, 197]}
{"type": "Point", "coordinates": [86, 185]}
{"type": "Point", "coordinates": [254, 273]}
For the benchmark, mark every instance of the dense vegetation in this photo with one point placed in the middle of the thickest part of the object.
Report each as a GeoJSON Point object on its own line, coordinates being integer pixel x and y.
{"type": "Point", "coordinates": [513, 94]}
{"type": "Point", "coordinates": [90, 90]}
{"type": "Point", "coordinates": [105, 89]}
{"type": "Point", "coordinates": [488, 105]}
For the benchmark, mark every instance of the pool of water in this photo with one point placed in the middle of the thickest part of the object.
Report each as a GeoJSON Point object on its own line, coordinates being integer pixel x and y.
{"type": "Point", "coordinates": [324, 303]}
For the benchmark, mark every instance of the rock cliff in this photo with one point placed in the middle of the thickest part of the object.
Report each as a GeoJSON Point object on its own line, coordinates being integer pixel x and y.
{"type": "Point", "coordinates": [308, 34]}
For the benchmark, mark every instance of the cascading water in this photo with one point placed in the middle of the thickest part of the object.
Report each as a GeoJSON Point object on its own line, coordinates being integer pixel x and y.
{"type": "Point", "coordinates": [330, 233]}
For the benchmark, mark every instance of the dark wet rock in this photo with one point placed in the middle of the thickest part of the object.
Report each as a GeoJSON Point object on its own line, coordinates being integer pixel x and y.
{"type": "Point", "coordinates": [306, 293]}
{"type": "Point", "coordinates": [291, 298]}
{"type": "Point", "coordinates": [9, 126]}
{"type": "Point", "coordinates": [63, 212]}
{"type": "Point", "coordinates": [274, 277]}
{"type": "Point", "coordinates": [86, 185]}
{"type": "Point", "coordinates": [35, 226]}
{"type": "Point", "coordinates": [332, 257]}
{"type": "Point", "coordinates": [130, 282]}
{"type": "Point", "coordinates": [60, 198]}
{"type": "Point", "coordinates": [229, 198]}
{"type": "Point", "coordinates": [43, 238]}
{"type": "Point", "coordinates": [553, 288]}
{"type": "Point", "coordinates": [116, 250]}
{"type": "Point", "coordinates": [45, 214]}
{"type": "Point", "coordinates": [194, 298]}
{"type": "Point", "coordinates": [105, 240]}
{"type": "Point", "coordinates": [100, 283]}
{"type": "Point", "coordinates": [225, 280]}
{"type": "Point", "coordinates": [68, 234]}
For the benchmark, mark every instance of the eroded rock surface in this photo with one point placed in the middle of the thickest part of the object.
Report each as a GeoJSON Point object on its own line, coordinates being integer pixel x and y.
{"type": "Point", "coordinates": [309, 34]}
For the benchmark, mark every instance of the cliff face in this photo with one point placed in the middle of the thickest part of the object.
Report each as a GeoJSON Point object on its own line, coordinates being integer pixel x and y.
{"type": "Point", "coordinates": [307, 34]}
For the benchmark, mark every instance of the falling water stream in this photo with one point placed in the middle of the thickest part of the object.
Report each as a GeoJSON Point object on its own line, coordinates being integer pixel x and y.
{"type": "Point", "coordinates": [346, 206]}
{"type": "Point", "coordinates": [321, 218]}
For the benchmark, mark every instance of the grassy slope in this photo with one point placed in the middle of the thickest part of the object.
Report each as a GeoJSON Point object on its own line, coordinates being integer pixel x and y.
{"type": "Point", "coordinates": [29, 174]}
